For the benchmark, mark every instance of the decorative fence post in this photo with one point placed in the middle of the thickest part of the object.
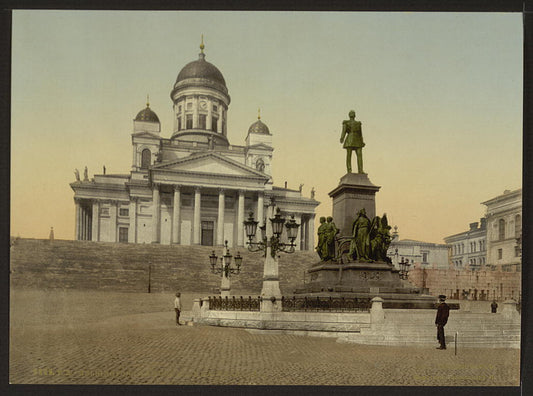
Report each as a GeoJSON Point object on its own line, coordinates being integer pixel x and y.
{"type": "Point", "coordinates": [509, 311]}
{"type": "Point", "coordinates": [377, 315]}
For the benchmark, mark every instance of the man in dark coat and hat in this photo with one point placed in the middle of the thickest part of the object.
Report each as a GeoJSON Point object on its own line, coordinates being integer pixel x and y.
{"type": "Point", "coordinates": [443, 311]}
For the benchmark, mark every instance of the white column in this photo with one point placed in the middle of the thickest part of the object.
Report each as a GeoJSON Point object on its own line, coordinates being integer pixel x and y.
{"type": "Point", "coordinates": [220, 220]}
{"type": "Point", "coordinates": [183, 123]}
{"type": "Point", "coordinates": [208, 123]}
{"type": "Point", "coordinates": [176, 215]}
{"type": "Point", "coordinates": [113, 220]}
{"type": "Point", "coordinates": [195, 112]}
{"type": "Point", "coordinates": [77, 220]}
{"type": "Point", "coordinates": [83, 224]}
{"type": "Point", "coordinates": [134, 159]}
{"type": "Point", "coordinates": [298, 219]}
{"type": "Point", "coordinates": [311, 233]}
{"type": "Point", "coordinates": [219, 120]}
{"type": "Point", "coordinates": [260, 208]}
{"type": "Point", "coordinates": [156, 210]}
{"type": "Point", "coordinates": [132, 234]}
{"type": "Point", "coordinates": [196, 226]}
{"type": "Point", "coordinates": [95, 230]}
{"type": "Point", "coordinates": [240, 219]}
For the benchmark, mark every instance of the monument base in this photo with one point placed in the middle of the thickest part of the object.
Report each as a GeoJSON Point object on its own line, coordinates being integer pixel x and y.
{"type": "Point", "coordinates": [354, 192]}
{"type": "Point", "coordinates": [363, 280]}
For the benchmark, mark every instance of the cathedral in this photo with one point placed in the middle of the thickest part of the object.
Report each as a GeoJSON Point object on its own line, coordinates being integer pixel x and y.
{"type": "Point", "coordinates": [194, 188]}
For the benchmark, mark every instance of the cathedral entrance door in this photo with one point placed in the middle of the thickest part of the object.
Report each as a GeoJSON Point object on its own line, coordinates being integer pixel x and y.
{"type": "Point", "coordinates": [208, 232]}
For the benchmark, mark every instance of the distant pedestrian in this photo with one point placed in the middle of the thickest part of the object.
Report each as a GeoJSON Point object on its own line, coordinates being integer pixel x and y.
{"type": "Point", "coordinates": [494, 306]}
{"type": "Point", "coordinates": [443, 311]}
{"type": "Point", "coordinates": [177, 308]}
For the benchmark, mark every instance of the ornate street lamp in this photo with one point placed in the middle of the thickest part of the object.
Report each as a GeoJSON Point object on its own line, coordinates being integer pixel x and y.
{"type": "Point", "coordinates": [277, 230]}
{"type": "Point", "coordinates": [404, 268]}
{"type": "Point", "coordinates": [225, 268]}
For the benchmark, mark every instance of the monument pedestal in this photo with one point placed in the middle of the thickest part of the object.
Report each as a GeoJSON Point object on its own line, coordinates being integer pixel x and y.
{"type": "Point", "coordinates": [364, 280]}
{"type": "Point", "coordinates": [354, 192]}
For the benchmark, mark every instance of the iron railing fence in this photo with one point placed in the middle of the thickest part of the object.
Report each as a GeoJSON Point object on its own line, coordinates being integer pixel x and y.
{"type": "Point", "coordinates": [330, 304]}
{"type": "Point", "coordinates": [234, 303]}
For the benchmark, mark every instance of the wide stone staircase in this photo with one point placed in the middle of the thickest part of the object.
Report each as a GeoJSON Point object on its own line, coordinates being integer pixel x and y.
{"type": "Point", "coordinates": [417, 328]}
{"type": "Point", "coordinates": [133, 267]}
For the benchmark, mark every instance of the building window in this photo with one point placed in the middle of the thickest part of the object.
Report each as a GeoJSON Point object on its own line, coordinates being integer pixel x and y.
{"type": "Point", "coordinates": [501, 229]}
{"type": "Point", "coordinates": [188, 120]}
{"type": "Point", "coordinates": [179, 109]}
{"type": "Point", "coordinates": [500, 254]}
{"type": "Point", "coordinates": [215, 108]}
{"type": "Point", "coordinates": [202, 121]}
{"type": "Point", "coordinates": [124, 212]}
{"type": "Point", "coordinates": [145, 158]}
{"type": "Point", "coordinates": [179, 123]}
{"type": "Point", "coordinates": [517, 226]}
{"type": "Point", "coordinates": [424, 257]}
{"type": "Point", "coordinates": [214, 121]}
{"type": "Point", "coordinates": [123, 234]}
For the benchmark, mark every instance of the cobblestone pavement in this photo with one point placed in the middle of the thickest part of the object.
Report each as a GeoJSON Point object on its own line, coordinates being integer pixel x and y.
{"type": "Point", "coordinates": [104, 338]}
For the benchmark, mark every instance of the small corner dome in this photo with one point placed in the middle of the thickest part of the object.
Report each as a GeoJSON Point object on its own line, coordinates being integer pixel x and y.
{"type": "Point", "coordinates": [147, 115]}
{"type": "Point", "coordinates": [259, 127]}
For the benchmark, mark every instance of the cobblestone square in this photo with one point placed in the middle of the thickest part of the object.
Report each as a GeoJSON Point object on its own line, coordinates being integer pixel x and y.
{"type": "Point", "coordinates": [91, 337]}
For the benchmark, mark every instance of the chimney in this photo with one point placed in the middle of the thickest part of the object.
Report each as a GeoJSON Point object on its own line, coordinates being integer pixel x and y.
{"type": "Point", "coordinates": [473, 226]}
{"type": "Point", "coordinates": [483, 224]}
{"type": "Point", "coordinates": [285, 184]}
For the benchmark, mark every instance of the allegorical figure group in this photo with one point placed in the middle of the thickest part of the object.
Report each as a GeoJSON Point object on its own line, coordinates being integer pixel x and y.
{"type": "Point", "coordinates": [370, 238]}
{"type": "Point", "coordinates": [327, 231]}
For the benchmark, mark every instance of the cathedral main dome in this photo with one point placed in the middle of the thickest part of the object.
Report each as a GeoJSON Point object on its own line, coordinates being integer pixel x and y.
{"type": "Point", "coordinates": [201, 68]}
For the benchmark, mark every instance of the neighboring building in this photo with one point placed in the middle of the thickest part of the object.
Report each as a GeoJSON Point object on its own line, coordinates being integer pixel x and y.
{"type": "Point", "coordinates": [468, 249]}
{"type": "Point", "coordinates": [486, 259]}
{"type": "Point", "coordinates": [417, 253]}
{"type": "Point", "coordinates": [504, 227]}
{"type": "Point", "coordinates": [194, 187]}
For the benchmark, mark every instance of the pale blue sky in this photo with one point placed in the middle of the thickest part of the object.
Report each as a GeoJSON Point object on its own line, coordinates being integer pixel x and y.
{"type": "Point", "coordinates": [439, 95]}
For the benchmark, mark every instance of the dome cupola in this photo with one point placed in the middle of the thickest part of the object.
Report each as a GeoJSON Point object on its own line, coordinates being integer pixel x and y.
{"type": "Point", "coordinates": [147, 115]}
{"type": "Point", "coordinates": [201, 102]}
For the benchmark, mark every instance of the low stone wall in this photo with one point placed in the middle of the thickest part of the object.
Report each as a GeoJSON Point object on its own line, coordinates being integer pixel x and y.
{"type": "Point", "coordinates": [379, 326]}
{"type": "Point", "coordinates": [302, 321]}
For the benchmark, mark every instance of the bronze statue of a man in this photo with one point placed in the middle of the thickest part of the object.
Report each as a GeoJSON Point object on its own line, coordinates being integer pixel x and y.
{"type": "Point", "coordinates": [352, 131]}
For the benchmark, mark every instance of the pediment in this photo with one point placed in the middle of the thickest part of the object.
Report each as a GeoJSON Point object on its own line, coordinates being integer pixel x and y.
{"type": "Point", "coordinates": [260, 146]}
{"type": "Point", "coordinates": [209, 164]}
{"type": "Point", "coordinates": [145, 134]}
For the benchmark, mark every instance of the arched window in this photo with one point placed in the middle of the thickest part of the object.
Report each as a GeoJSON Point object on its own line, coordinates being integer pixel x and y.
{"type": "Point", "coordinates": [145, 159]}
{"type": "Point", "coordinates": [501, 229]}
{"type": "Point", "coordinates": [260, 165]}
{"type": "Point", "coordinates": [517, 226]}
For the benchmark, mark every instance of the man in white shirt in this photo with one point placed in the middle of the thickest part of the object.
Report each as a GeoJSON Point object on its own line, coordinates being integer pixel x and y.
{"type": "Point", "coordinates": [177, 308]}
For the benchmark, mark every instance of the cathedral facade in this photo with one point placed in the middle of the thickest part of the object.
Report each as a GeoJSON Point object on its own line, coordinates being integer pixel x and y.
{"type": "Point", "coordinates": [194, 187]}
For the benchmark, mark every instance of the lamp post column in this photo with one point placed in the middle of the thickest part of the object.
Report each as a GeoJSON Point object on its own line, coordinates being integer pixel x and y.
{"type": "Point", "coordinates": [270, 293]}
